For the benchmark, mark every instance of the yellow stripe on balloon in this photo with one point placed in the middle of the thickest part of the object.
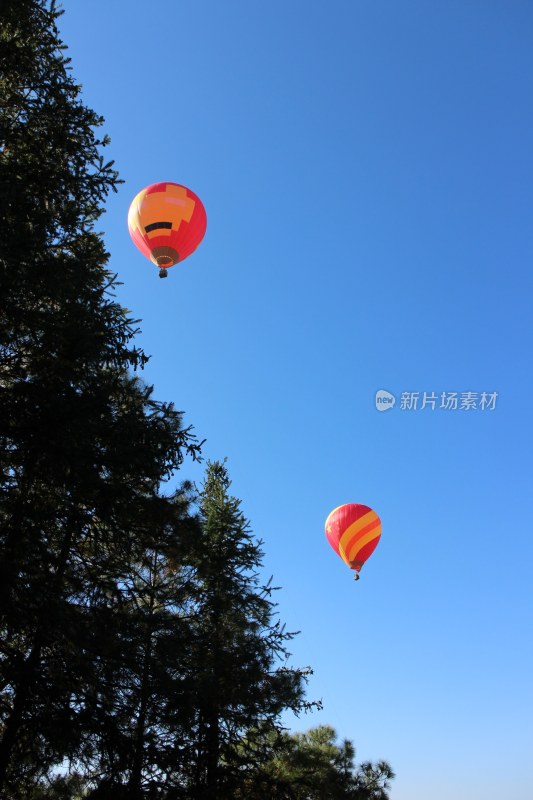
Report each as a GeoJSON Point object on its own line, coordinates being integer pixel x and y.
{"type": "Point", "coordinates": [356, 526]}
{"type": "Point", "coordinates": [358, 545]}
{"type": "Point", "coordinates": [341, 553]}
{"type": "Point", "coordinates": [158, 232]}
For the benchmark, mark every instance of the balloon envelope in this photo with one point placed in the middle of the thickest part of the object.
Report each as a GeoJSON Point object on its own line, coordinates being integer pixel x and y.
{"type": "Point", "coordinates": [353, 530]}
{"type": "Point", "coordinates": [167, 222]}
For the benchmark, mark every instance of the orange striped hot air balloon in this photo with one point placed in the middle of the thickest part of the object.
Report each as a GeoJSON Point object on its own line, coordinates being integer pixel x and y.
{"type": "Point", "coordinates": [353, 530]}
{"type": "Point", "coordinates": [167, 222]}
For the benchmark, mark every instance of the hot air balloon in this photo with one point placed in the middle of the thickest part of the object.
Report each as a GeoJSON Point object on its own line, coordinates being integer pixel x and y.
{"type": "Point", "coordinates": [353, 530]}
{"type": "Point", "coordinates": [167, 222]}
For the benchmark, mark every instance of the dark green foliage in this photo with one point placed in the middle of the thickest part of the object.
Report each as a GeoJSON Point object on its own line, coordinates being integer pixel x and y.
{"type": "Point", "coordinates": [313, 766]}
{"type": "Point", "coordinates": [83, 446]}
{"type": "Point", "coordinates": [199, 661]}
{"type": "Point", "coordinates": [137, 711]}
{"type": "Point", "coordinates": [239, 672]}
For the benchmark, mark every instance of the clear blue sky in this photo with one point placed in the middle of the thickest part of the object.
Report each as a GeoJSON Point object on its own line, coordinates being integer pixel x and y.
{"type": "Point", "coordinates": [367, 172]}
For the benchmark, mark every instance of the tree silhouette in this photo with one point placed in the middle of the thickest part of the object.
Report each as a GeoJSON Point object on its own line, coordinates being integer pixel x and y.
{"type": "Point", "coordinates": [314, 766]}
{"type": "Point", "coordinates": [239, 668]}
{"type": "Point", "coordinates": [83, 445]}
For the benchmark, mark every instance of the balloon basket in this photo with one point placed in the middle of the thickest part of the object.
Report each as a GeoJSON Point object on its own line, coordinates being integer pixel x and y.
{"type": "Point", "coordinates": [163, 273]}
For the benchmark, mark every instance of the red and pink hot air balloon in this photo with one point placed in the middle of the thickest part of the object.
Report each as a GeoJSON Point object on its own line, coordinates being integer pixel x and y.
{"type": "Point", "coordinates": [167, 222]}
{"type": "Point", "coordinates": [353, 530]}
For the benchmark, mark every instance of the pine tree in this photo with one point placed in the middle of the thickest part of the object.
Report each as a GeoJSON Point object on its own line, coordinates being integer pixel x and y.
{"type": "Point", "coordinates": [314, 766]}
{"type": "Point", "coordinates": [137, 713]}
{"type": "Point", "coordinates": [239, 669]}
{"type": "Point", "coordinates": [83, 444]}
